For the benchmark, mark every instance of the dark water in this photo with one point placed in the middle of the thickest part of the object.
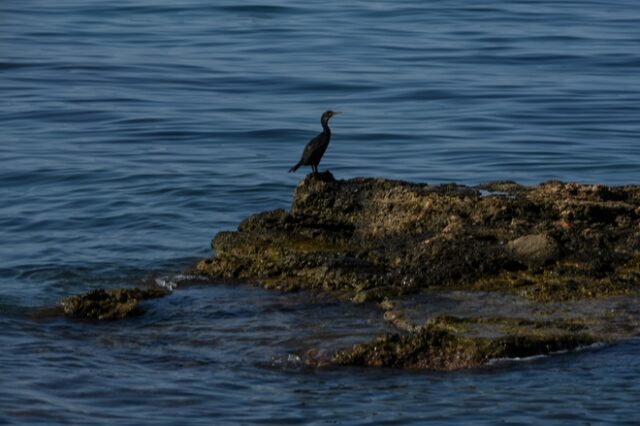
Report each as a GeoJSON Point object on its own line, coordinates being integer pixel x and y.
{"type": "Point", "coordinates": [132, 131]}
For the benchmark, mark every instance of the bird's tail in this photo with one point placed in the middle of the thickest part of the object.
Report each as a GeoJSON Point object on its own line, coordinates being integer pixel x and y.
{"type": "Point", "coordinates": [296, 167]}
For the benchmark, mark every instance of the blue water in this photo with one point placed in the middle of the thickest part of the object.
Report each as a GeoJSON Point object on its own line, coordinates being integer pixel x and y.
{"type": "Point", "coordinates": [132, 131]}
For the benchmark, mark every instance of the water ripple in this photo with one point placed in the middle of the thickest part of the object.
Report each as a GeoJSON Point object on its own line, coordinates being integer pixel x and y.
{"type": "Point", "coordinates": [135, 130]}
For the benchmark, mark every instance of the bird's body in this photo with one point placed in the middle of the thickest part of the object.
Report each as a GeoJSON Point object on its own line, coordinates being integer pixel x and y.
{"type": "Point", "coordinates": [317, 146]}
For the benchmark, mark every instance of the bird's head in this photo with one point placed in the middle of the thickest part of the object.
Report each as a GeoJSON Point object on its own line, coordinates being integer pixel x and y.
{"type": "Point", "coordinates": [327, 115]}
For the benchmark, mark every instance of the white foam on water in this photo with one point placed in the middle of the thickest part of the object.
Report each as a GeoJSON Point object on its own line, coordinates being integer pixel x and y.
{"type": "Point", "coordinates": [597, 345]}
{"type": "Point", "coordinates": [286, 362]}
{"type": "Point", "coordinates": [171, 282]}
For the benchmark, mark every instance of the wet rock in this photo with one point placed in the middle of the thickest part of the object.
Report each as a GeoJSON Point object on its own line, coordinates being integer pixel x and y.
{"type": "Point", "coordinates": [109, 304]}
{"type": "Point", "coordinates": [446, 344]}
{"type": "Point", "coordinates": [368, 239]}
{"type": "Point", "coordinates": [378, 240]}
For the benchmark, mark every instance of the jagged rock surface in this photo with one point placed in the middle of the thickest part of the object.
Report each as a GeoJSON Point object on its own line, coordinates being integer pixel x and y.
{"type": "Point", "coordinates": [368, 239]}
{"type": "Point", "coordinates": [381, 240]}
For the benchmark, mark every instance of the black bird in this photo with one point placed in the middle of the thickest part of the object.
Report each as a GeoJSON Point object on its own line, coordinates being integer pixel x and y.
{"type": "Point", "coordinates": [316, 147]}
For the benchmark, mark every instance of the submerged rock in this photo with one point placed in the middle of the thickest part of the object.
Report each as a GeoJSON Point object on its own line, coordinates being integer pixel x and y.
{"type": "Point", "coordinates": [109, 304]}
{"type": "Point", "coordinates": [448, 343]}
{"type": "Point", "coordinates": [380, 240]}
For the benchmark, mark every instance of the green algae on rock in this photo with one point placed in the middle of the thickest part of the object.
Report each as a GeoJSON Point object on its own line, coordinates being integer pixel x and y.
{"type": "Point", "coordinates": [554, 253]}
{"type": "Point", "coordinates": [368, 239]}
{"type": "Point", "coordinates": [109, 304]}
{"type": "Point", "coordinates": [447, 343]}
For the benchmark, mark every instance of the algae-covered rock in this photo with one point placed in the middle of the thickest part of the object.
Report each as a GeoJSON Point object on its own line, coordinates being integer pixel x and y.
{"type": "Point", "coordinates": [544, 258]}
{"type": "Point", "coordinates": [109, 304]}
{"type": "Point", "coordinates": [450, 344]}
{"type": "Point", "coordinates": [368, 239]}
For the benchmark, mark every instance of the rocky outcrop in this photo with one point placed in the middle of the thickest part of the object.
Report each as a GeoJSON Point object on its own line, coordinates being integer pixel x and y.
{"type": "Point", "coordinates": [464, 275]}
{"type": "Point", "coordinates": [449, 343]}
{"type": "Point", "coordinates": [109, 304]}
{"type": "Point", "coordinates": [369, 239]}
{"type": "Point", "coordinates": [390, 241]}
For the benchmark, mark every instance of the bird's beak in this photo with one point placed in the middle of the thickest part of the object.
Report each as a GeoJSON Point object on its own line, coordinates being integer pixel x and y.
{"type": "Point", "coordinates": [336, 112]}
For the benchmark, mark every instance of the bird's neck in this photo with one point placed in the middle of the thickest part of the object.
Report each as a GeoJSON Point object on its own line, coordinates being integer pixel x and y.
{"type": "Point", "coordinates": [325, 127]}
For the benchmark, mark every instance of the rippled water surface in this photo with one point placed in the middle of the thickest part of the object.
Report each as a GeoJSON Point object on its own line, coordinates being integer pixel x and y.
{"type": "Point", "coordinates": [132, 131]}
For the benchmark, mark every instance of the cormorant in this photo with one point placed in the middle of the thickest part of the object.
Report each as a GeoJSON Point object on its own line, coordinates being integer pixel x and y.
{"type": "Point", "coordinates": [316, 147]}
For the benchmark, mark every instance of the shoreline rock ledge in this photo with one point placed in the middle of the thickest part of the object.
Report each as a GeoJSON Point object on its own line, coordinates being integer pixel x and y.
{"type": "Point", "coordinates": [467, 275]}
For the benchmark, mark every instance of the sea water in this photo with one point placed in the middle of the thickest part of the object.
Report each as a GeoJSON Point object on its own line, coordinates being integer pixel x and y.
{"type": "Point", "coordinates": [133, 131]}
